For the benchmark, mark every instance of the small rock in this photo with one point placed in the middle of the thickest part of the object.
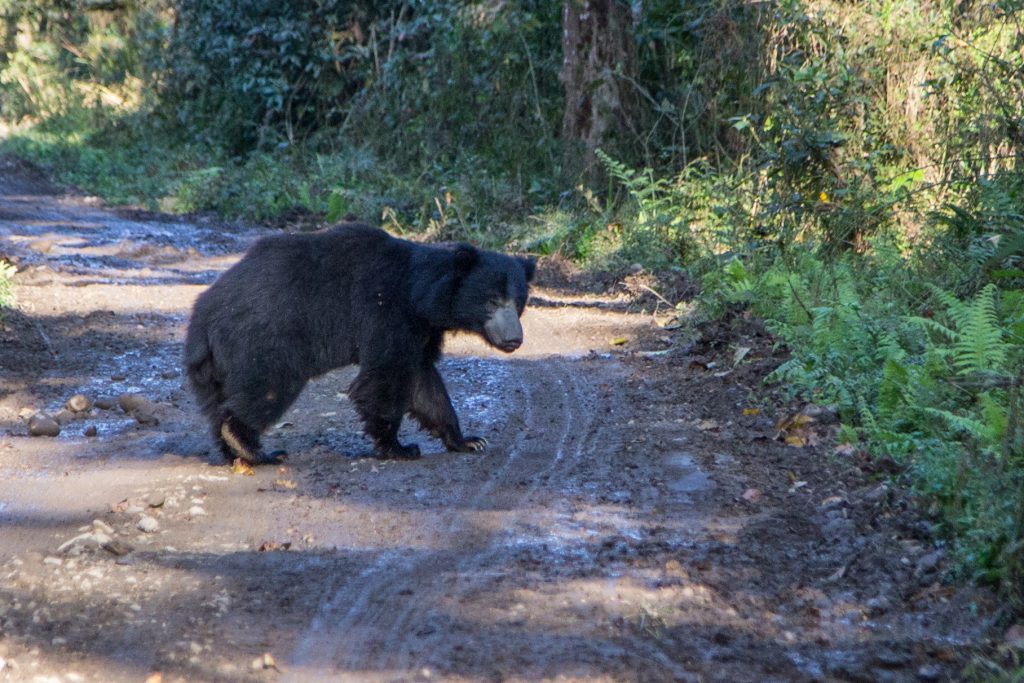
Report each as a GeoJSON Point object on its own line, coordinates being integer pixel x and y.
{"type": "Point", "coordinates": [105, 403]}
{"type": "Point", "coordinates": [929, 672]}
{"type": "Point", "coordinates": [196, 511]}
{"type": "Point", "coordinates": [42, 245]}
{"type": "Point", "coordinates": [169, 374]}
{"type": "Point", "coordinates": [79, 403]}
{"type": "Point", "coordinates": [147, 524]}
{"type": "Point", "coordinates": [928, 563]}
{"type": "Point", "coordinates": [117, 548]}
{"type": "Point", "coordinates": [156, 500]}
{"type": "Point", "coordinates": [145, 418]}
{"type": "Point", "coordinates": [90, 431]}
{"type": "Point", "coordinates": [752, 495]}
{"type": "Point", "coordinates": [1014, 637]}
{"type": "Point", "coordinates": [877, 494]}
{"type": "Point", "coordinates": [117, 377]}
{"type": "Point", "coordinates": [130, 402]}
{"type": "Point", "coordinates": [64, 416]}
{"type": "Point", "coordinates": [42, 424]}
{"type": "Point", "coordinates": [877, 606]}
{"type": "Point", "coordinates": [55, 561]}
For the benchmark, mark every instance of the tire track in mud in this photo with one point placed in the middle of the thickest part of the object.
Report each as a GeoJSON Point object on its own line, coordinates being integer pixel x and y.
{"type": "Point", "coordinates": [367, 625]}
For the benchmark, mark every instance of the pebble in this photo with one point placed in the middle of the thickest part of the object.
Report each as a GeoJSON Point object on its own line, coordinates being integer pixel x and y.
{"type": "Point", "coordinates": [147, 524]}
{"type": "Point", "coordinates": [929, 563]}
{"type": "Point", "coordinates": [169, 374]}
{"type": "Point", "coordinates": [130, 402]}
{"type": "Point", "coordinates": [79, 403]}
{"type": "Point", "coordinates": [89, 431]}
{"type": "Point", "coordinates": [117, 548]}
{"type": "Point", "coordinates": [42, 424]}
{"type": "Point", "coordinates": [105, 403]}
{"type": "Point", "coordinates": [929, 672]}
{"type": "Point", "coordinates": [145, 418]}
{"type": "Point", "coordinates": [196, 511]}
{"type": "Point", "coordinates": [156, 500]}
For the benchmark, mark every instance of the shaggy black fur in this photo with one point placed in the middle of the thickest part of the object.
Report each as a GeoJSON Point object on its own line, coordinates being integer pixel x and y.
{"type": "Point", "coordinates": [297, 306]}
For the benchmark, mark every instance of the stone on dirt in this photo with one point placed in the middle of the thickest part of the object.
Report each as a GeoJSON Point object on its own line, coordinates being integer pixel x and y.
{"type": "Point", "coordinates": [79, 403]}
{"type": "Point", "coordinates": [130, 402]}
{"type": "Point", "coordinates": [148, 524]}
{"type": "Point", "coordinates": [42, 424]}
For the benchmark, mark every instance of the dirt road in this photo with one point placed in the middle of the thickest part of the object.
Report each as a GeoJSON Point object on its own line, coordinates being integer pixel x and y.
{"type": "Point", "coordinates": [635, 517]}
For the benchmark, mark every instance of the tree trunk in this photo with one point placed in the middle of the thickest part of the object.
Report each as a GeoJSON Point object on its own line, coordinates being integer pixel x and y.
{"type": "Point", "coordinates": [599, 63]}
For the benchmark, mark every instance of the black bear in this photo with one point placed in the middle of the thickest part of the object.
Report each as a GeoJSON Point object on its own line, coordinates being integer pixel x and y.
{"type": "Point", "coordinates": [297, 306]}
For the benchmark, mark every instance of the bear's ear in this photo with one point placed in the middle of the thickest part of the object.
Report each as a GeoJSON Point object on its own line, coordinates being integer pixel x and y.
{"type": "Point", "coordinates": [529, 266]}
{"type": "Point", "coordinates": [465, 258]}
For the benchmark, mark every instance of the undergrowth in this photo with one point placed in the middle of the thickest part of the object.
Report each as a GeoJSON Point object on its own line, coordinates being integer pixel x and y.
{"type": "Point", "coordinates": [851, 172]}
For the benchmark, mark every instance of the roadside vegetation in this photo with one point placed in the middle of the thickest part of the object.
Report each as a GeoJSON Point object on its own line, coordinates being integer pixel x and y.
{"type": "Point", "coordinates": [853, 173]}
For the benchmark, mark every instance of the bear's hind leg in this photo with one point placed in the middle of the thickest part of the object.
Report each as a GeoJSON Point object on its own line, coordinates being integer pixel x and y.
{"type": "Point", "coordinates": [239, 440]}
{"type": "Point", "coordinates": [432, 408]}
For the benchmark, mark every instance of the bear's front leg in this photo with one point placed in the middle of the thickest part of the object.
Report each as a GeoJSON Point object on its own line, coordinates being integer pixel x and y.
{"type": "Point", "coordinates": [432, 408]}
{"type": "Point", "coordinates": [379, 397]}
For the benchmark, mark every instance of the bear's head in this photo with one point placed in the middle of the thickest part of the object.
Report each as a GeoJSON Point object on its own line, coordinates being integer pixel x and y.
{"type": "Point", "coordinates": [490, 294]}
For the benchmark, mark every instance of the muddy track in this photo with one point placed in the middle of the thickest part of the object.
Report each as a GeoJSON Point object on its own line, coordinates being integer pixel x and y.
{"type": "Point", "coordinates": [604, 534]}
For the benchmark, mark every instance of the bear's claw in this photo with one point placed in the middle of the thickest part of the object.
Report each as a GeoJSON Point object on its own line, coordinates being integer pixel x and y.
{"type": "Point", "coordinates": [474, 444]}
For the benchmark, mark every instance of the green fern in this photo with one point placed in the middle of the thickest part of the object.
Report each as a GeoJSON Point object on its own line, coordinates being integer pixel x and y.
{"type": "Point", "coordinates": [977, 336]}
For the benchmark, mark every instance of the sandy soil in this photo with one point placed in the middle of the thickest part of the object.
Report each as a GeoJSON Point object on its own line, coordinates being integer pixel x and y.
{"type": "Point", "coordinates": [638, 515]}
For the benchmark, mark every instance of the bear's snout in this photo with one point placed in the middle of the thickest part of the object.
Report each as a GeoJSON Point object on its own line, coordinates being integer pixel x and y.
{"type": "Point", "coordinates": [503, 329]}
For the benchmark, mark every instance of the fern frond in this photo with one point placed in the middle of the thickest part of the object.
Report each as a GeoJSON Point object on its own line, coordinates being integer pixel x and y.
{"type": "Point", "coordinates": [935, 326]}
{"type": "Point", "coordinates": [980, 346]}
{"type": "Point", "coordinates": [970, 426]}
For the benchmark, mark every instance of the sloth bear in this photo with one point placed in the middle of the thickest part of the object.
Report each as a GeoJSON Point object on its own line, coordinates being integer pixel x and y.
{"type": "Point", "coordinates": [297, 306]}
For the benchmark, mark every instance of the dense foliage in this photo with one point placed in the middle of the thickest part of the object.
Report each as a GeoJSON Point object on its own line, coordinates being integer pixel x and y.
{"type": "Point", "coordinates": [852, 172]}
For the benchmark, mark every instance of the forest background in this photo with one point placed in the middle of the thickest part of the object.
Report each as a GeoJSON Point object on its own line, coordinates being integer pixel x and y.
{"type": "Point", "coordinates": [852, 173]}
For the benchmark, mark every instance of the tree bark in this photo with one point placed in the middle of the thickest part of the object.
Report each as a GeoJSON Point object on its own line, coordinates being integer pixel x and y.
{"type": "Point", "coordinates": [598, 68]}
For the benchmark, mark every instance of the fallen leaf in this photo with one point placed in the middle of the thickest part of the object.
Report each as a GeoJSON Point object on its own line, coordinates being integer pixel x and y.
{"type": "Point", "coordinates": [285, 483]}
{"type": "Point", "coordinates": [845, 449]}
{"type": "Point", "coordinates": [705, 425]}
{"type": "Point", "coordinates": [741, 353]}
{"type": "Point", "coordinates": [619, 341]}
{"type": "Point", "coordinates": [264, 661]}
{"type": "Point", "coordinates": [752, 495]}
{"type": "Point", "coordinates": [837, 574]}
{"type": "Point", "coordinates": [795, 440]}
{"type": "Point", "coordinates": [268, 546]}
{"type": "Point", "coordinates": [240, 466]}
{"type": "Point", "coordinates": [751, 411]}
